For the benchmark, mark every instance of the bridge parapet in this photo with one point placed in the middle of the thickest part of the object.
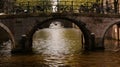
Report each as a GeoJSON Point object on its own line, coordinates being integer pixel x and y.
{"type": "Point", "coordinates": [24, 15]}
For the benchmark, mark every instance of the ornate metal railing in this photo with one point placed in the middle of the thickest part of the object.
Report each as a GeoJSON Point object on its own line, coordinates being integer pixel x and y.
{"type": "Point", "coordinates": [61, 7]}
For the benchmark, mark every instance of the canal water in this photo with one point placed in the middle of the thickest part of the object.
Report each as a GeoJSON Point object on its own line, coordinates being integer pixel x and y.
{"type": "Point", "coordinates": [58, 47]}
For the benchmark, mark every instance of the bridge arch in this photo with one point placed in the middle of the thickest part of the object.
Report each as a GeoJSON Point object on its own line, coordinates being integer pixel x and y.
{"type": "Point", "coordinates": [8, 33]}
{"type": "Point", "coordinates": [115, 22]}
{"type": "Point", "coordinates": [80, 24]}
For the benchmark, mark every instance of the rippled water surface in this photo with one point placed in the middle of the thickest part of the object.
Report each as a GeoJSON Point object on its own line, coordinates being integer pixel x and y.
{"type": "Point", "coordinates": [58, 48]}
{"type": "Point", "coordinates": [57, 41]}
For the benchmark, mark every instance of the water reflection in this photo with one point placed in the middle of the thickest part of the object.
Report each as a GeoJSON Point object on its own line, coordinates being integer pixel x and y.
{"type": "Point", "coordinates": [112, 45]}
{"type": "Point", "coordinates": [5, 48]}
{"type": "Point", "coordinates": [112, 42]}
{"type": "Point", "coordinates": [60, 47]}
{"type": "Point", "coordinates": [57, 41]}
{"type": "Point", "coordinates": [56, 44]}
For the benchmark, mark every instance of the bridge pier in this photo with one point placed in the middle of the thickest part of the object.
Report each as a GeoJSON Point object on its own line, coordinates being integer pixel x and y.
{"type": "Point", "coordinates": [22, 46]}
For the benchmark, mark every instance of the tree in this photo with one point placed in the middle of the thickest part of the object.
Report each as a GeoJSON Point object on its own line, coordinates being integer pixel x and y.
{"type": "Point", "coordinates": [75, 4]}
{"type": "Point", "coordinates": [33, 4]}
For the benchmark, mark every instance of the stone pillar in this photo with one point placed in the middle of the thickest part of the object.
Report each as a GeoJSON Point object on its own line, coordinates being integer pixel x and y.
{"type": "Point", "coordinates": [92, 41]}
{"type": "Point", "coordinates": [118, 32]}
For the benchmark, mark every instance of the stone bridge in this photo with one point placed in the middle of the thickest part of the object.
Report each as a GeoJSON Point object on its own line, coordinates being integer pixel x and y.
{"type": "Point", "coordinates": [14, 26]}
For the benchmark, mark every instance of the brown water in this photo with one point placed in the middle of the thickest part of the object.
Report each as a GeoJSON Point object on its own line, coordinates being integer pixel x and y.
{"type": "Point", "coordinates": [59, 48]}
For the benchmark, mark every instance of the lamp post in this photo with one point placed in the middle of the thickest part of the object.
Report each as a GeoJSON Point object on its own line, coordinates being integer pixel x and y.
{"type": "Point", "coordinates": [28, 6]}
{"type": "Point", "coordinates": [102, 7]}
{"type": "Point", "coordinates": [58, 6]}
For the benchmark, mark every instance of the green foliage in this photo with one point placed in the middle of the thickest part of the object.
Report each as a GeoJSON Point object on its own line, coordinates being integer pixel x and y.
{"type": "Point", "coordinates": [32, 2]}
{"type": "Point", "coordinates": [63, 5]}
{"type": "Point", "coordinates": [33, 5]}
{"type": "Point", "coordinates": [75, 4]}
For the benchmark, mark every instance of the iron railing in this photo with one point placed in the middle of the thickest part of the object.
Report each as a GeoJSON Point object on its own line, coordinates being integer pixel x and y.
{"type": "Point", "coordinates": [61, 7]}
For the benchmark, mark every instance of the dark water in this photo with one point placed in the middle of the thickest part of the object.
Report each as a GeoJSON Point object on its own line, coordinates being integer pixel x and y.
{"type": "Point", "coordinates": [59, 48]}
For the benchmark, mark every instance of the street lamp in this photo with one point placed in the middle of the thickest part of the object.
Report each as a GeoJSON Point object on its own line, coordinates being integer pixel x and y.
{"type": "Point", "coordinates": [58, 6]}
{"type": "Point", "coordinates": [28, 6]}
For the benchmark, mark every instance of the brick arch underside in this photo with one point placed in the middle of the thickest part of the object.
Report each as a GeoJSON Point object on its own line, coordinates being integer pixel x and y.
{"type": "Point", "coordinates": [8, 34]}
{"type": "Point", "coordinates": [106, 29]}
{"type": "Point", "coordinates": [80, 24]}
